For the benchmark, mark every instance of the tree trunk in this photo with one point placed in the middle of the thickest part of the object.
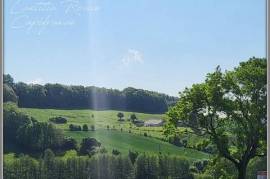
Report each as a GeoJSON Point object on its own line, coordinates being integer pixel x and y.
{"type": "Point", "coordinates": [242, 168]}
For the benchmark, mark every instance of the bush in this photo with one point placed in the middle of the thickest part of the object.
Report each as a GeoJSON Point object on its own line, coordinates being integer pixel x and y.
{"type": "Point", "coordinates": [120, 116]}
{"type": "Point", "coordinates": [58, 120]}
{"type": "Point", "coordinates": [88, 146]}
{"type": "Point", "coordinates": [161, 166]}
{"type": "Point", "coordinates": [103, 150]}
{"type": "Point", "coordinates": [133, 156]}
{"type": "Point", "coordinates": [85, 127]}
{"type": "Point", "coordinates": [200, 165]}
{"type": "Point", "coordinates": [145, 134]}
{"type": "Point", "coordinates": [69, 144]}
{"type": "Point", "coordinates": [92, 128]}
{"type": "Point", "coordinates": [73, 127]}
{"type": "Point", "coordinates": [9, 94]}
{"type": "Point", "coordinates": [133, 117]}
{"type": "Point", "coordinates": [115, 152]}
{"type": "Point", "coordinates": [175, 140]}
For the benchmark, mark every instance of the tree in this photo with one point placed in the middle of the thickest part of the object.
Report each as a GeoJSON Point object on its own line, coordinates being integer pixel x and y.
{"type": "Point", "coordinates": [120, 116]}
{"type": "Point", "coordinates": [133, 117]}
{"type": "Point", "coordinates": [85, 127]}
{"type": "Point", "coordinates": [69, 143]}
{"type": "Point", "coordinates": [76, 97]}
{"type": "Point", "coordinates": [58, 120]}
{"type": "Point", "coordinates": [92, 127]}
{"type": "Point", "coordinates": [7, 79]}
{"type": "Point", "coordinates": [115, 152]}
{"type": "Point", "coordinates": [88, 146]}
{"type": "Point", "coordinates": [9, 94]}
{"type": "Point", "coordinates": [132, 156]}
{"type": "Point", "coordinates": [49, 163]}
{"type": "Point", "coordinates": [225, 105]}
{"type": "Point", "coordinates": [73, 127]}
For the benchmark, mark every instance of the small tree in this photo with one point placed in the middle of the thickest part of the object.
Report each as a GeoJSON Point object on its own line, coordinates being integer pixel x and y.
{"type": "Point", "coordinates": [115, 152]}
{"type": "Point", "coordinates": [133, 117]}
{"type": "Point", "coordinates": [120, 115]}
{"type": "Point", "coordinates": [69, 144]}
{"type": "Point", "coordinates": [133, 156]}
{"type": "Point", "coordinates": [92, 127]}
{"type": "Point", "coordinates": [88, 146]}
{"type": "Point", "coordinates": [85, 127]}
{"type": "Point", "coordinates": [73, 127]}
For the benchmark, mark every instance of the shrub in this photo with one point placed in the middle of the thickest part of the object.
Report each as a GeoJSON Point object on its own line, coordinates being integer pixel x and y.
{"type": "Point", "coordinates": [120, 116]}
{"type": "Point", "coordinates": [69, 144]}
{"type": "Point", "coordinates": [58, 120]}
{"type": "Point", "coordinates": [133, 117]}
{"type": "Point", "coordinates": [85, 127]}
{"type": "Point", "coordinates": [133, 156]}
{"type": "Point", "coordinates": [103, 150]}
{"type": "Point", "coordinates": [88, 146]}
{"type": "Point", "coordinates": [200, 165]}
{"type": "Point", "coordinates": [145, 134]}
{"type": "Point", "coordinates": [92, 128]}
{"type": "Point", "coordinates": [73, 127]}
{"type": "Point", "coordinates": [115, 152]}
{"type": "Point", "coordinates": [175, 140]}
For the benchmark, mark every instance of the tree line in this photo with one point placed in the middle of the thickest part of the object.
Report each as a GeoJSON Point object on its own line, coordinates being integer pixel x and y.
{"type": "Point", "coordinates": [32, 136]}
{"type": "Point", "coordinates": [97, 167]}
{"type": "Point", "coordinates": [75, 97]}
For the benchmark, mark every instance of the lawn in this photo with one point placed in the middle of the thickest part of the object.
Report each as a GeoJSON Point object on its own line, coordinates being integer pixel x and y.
{"type": "Point", "coordinates": [114, 138]}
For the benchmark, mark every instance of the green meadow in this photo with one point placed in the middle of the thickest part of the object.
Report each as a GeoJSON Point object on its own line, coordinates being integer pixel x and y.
{"type": "Point", "coordinates": [113, 134]}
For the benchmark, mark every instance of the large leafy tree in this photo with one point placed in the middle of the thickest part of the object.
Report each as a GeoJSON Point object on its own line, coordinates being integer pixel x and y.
{"type": "Point", "coordinates": [230, 108]}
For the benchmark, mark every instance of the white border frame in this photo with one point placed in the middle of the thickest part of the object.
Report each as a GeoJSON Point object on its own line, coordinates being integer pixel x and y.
{"type": "Point", "coordinates": [1, 83]}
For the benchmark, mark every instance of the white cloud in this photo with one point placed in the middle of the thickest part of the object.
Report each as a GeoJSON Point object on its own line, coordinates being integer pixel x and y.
{"type": "Point", "coordinates": [36, 81]}
{"type": "Point", "coordinates": [132, 57]}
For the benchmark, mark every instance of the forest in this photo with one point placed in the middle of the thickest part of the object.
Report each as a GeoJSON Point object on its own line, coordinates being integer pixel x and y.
{"type": "Point", "coordinates": [60, 96]}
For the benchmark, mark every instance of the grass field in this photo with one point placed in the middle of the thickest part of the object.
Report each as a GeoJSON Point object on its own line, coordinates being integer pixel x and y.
{"type": "Point", "coordinates": [115, 138]}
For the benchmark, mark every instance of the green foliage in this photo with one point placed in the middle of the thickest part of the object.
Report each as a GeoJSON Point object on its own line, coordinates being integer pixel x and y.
{"type": "Point", "coordinates": [29, 133]}
{"type": "Point", "coordinates": [85, 127]}
{"type": "Point", "coordinates": [120, 116]}
{"type": "Point", "coordinates": [229, 107]}
{"type": "Point", "coordinates": [69, 143]}
{"type": "Point", "coordinates": [115, 152]}
{"type": "Point", "coordinates": [132, 156]}
{"type": "Point", "coordinates": [133, 117]}
{"type": "Point", "coordinates": [74, 127]}
{"type": "Point", "coordinates": [152, 166]}
{"type": "Point", "coordinates": [58, 120]}
{"type": "Point", "coordinates": [9, 94]}
{"type": "Point", "coordinates": [221, 168]}
{"type": "Point", "coordinates": [88, 146]}
{"type": "Point", "coordinates": [8, 80]}
{"type": "Point", "coordinates": [92, 127]}
{"type": "Point", "coordinates": [78, 97]}
{"type": "Point", "coordinates": [98, 166]}
{"type": "Point", "coordinates": [255, 165]}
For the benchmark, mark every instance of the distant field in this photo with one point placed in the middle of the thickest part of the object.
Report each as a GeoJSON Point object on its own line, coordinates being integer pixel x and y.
{"type": "Point", "coordinates": [114, 138]}
{"type": "Point", "coordinates": [101, 119]}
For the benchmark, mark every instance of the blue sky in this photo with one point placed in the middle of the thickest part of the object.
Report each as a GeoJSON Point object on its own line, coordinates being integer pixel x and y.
{"type": "Point", "coordinates": [157, 45]}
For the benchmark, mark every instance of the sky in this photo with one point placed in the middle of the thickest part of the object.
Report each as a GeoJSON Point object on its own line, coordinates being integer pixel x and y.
{"type": "Point", "coordinates": [156, 45]}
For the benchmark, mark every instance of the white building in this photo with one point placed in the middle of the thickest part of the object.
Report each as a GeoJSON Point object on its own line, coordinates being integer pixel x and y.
{"type": "Point", "coordinates": [153, 123]}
